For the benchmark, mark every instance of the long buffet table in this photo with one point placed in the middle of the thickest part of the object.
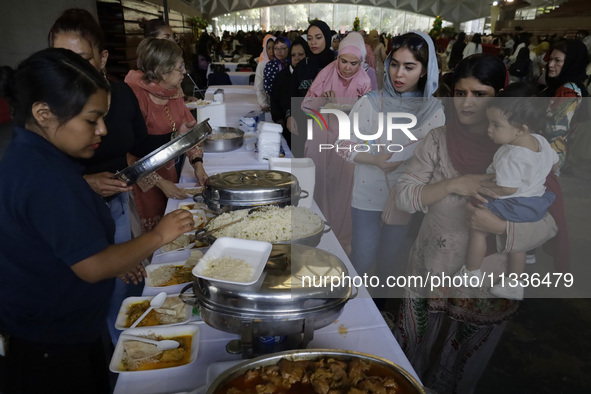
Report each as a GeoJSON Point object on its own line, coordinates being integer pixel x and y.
{"type": "Point", "coordinates": [360, 326]}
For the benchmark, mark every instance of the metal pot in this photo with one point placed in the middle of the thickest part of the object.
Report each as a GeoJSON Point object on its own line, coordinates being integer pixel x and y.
{"type": "Point", "coordinates": [228, 191]}
{"type": "Point", "coordinates": [281, 303]}
{"type": "Point", "coordinates": [167, 152]}
{"type": "Point", "coordinates": [407, 383]}
{"type": "Point", "coordinates": [223, 144]}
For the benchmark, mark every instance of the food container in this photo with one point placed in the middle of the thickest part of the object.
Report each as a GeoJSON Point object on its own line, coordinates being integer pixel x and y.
{"type": "Point", "coordinates": [217, 143]}
{"type": "Point", "coordinates": [151, 289]}
{"type": "Point", "coordinates": [167, 152]}
{"type": "Point", "coordinates": [192, 330]}
{"type": "Point", "coordinates": [282, 303]}
{"type": "Point", "coordinates": [406, 382]}
{"type": "Point", "coordinates": [253, 253]}
{"type": "Point", "coordinates": [123, 312]}
{"type": "Point", "coordinates": [228, 191]}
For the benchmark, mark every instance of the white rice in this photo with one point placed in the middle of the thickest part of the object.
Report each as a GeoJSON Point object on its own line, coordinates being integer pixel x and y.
{"type": "Point", "coordinates": [273, 224]}
{"type": "Point", "coordinates": [228, 268]}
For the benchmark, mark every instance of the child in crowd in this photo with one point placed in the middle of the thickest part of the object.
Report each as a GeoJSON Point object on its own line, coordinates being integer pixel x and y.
{"type": "Point", "coordinates": [521, 166]}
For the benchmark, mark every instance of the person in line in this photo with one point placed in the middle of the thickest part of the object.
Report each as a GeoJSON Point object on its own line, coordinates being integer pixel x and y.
{"type": "Point", "coordinates": [157, 28]}
{"type": "Point", "coordinates": [461, 326]}
{"type": "Point", "coordinates": [59, 101]}
{"type": "Point", "coordinates": [474, 46]}
{"type": "Point", "coordinates": [281, 102]}
{"type": "Point", "coordinates": [157, 87]}
{"type": "Point", "coordinates": [564, 83]}
{"type": "Point", "coordinates": [412, 78]}
{"type": "Point", "coordinates": [342, 82]}
{"type": "Point", "coordinates": [379, 51]}
{"type": "Point", "coordinates": [457, 51]}
{"type": "Point", "coordinates": [318, 38]}
{"type": "Point", "coordinates": [78, 31]}
{"type": "Point", "coordinates": [521, 166]}
{"type": "Point", "coordinates": [280, 61]}
{"type": "Point", "coordinates": [267, 55]}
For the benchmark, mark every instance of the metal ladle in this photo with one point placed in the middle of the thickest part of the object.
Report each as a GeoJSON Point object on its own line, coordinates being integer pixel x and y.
{"type": "Point", "coordinates": [156, 302]}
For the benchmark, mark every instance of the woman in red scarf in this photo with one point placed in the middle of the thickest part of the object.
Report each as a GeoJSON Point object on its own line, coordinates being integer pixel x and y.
{"type": "Point", "coordinates": [449, 331]}
{"type": "Point", "coordinates": [157, 87]}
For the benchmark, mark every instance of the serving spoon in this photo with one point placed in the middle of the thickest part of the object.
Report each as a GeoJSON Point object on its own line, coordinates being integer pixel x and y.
{"type": "Point", "coordinates": [165, 344]}
{"type": "Point", "coordinates": [156, 302]}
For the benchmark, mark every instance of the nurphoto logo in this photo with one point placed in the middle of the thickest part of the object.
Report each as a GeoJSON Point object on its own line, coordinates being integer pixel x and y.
{"type": "Point", "coordinates": [388, 122]}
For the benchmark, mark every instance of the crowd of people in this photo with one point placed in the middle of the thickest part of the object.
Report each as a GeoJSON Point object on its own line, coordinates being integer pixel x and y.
{"type": "Point", "coordinates": [74, 129]}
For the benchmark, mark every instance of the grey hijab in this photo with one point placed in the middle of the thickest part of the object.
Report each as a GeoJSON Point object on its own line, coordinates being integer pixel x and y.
{"type": "Point", "coordinates": [421, 104]}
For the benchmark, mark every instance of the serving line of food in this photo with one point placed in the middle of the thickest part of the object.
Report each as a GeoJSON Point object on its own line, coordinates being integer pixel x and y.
{"type": "Point", "coordinates": [267, 316]}
{"type": "Point", "coordinates": [356, 326]}
{"type": "Point", "coordinates": [214, 298]}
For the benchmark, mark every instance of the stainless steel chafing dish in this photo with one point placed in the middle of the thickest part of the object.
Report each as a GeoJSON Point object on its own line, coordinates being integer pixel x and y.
{"type": "Point", "coordinates": [171, 150]}
{"type": "Point", "coordinates": [280, 305]}
{"type": "Point", "coordinates": [228, 191]}
{"type": "Point", "coordinates": [218, 141]}
{"type": "Point", "coordinates": [406, 382]}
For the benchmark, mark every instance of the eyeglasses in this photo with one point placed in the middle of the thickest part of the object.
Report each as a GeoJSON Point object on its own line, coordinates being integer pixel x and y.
{"type": "Point", "coordinates": [413, 42]}
{"type": "Point", "coordinates": [280, 48]}
{"type": "Point", "coordinates": [182, 69]}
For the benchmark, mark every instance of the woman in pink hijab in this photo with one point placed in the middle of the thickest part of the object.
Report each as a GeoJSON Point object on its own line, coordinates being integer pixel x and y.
{"type": "Point", "coordinates": [338, 85]}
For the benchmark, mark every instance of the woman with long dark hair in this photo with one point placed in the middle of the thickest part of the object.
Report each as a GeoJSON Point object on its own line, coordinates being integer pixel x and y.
{"type": "Point", "coordinates": [60, 101]}
{"type": "Point", "coordinates": [448, 332]}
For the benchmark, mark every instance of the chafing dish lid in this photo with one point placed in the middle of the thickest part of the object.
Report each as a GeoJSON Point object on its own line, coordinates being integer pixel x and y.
{"type": "Point", "coordinates": [171, 150]}
{"type": "Point", "coordinates": [251, 185]}
{"type": "Point", "coordinates": [282, 287]}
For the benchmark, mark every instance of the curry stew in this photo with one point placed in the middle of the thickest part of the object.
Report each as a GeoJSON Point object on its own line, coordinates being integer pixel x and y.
{"type": "Point", "coordinates": [324, 376]}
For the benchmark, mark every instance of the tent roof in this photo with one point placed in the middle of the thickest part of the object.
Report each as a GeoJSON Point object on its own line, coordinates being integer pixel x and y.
{"type": "Point", "coordinates": [450, 10]}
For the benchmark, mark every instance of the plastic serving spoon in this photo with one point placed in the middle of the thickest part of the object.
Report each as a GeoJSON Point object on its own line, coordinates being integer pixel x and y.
{"type": "Point", "coordinates": [165, 344]}
{"type": "Point", "coordinates": [156, 302]}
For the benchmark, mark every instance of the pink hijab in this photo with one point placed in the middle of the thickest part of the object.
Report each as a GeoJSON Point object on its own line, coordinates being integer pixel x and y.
{"type": "Point", "coordinates": [330, 77]}
{"type": "Point", "coordinates": [264, 55]}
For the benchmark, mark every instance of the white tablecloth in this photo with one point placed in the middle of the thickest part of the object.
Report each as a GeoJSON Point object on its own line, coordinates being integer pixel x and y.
{"type": "Point", "coordinates": [359, 328]}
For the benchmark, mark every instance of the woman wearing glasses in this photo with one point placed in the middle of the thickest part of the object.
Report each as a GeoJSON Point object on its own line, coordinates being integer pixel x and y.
{"type": "Point", "coordinates": [157, 87]}
{"type": "Point", "coordinates": [281, 60]}
{"type": "Point", "coordinates": [78, 31]}
{"type": "Point", "coordinates": [410, 81]}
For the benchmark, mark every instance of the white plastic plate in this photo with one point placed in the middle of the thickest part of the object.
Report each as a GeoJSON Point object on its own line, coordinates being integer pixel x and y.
{"type": "Point", "coordinates": [254, 253]}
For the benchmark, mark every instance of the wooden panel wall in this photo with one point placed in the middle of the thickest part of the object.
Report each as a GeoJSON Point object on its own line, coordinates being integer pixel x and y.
{"type": "Point", "coordinates": [119, 20]}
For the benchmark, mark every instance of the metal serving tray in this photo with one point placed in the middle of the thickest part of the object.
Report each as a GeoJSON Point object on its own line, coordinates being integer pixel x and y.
{"type": "Point", "coordinates": [169, 151]}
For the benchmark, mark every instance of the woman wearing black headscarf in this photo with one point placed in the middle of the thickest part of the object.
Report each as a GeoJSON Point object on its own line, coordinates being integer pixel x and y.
{"type": "Point", "coordinates": [457, 50]}
{"type": "Point", "coordinates": [281, 102]}
{"type": "Point", "coordinates": [564, 80]}
{"type": "Point", "coordinates": [319, 41]}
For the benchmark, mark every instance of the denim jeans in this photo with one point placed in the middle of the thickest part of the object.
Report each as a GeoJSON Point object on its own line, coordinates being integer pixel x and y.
{"type": "Point", "coordinates": [374, 244]}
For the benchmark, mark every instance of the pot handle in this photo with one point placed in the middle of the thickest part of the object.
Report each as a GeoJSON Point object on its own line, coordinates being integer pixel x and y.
{"type": "Point", "coordinates": [198, 195]}
{"type": "Point", "coordinates": [356, 292]}
{"type": "Point", "coordinates": [189, 299]}
{"type": "Point", "coordinates": [304, 194]}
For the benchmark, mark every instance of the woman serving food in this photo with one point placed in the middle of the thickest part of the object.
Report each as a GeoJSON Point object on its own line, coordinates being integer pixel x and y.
{"type": "Point", "coordinates": [58, 259]}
